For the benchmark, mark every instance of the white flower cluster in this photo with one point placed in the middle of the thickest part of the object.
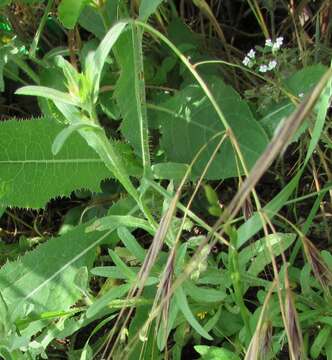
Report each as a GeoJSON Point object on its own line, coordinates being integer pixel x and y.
{"type": "Point", "coordinates": [270, 66]}
{"type": "Point", "coordinates": [249, 60]}
{"type": "Point", "coordinates": [275, 45]}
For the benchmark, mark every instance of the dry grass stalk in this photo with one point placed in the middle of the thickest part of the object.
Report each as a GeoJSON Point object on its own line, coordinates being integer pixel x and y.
{"type": "Point", "coordinates": [275, 147]}
{"type": "Point", "coordinates": [260, 344]}
{"type": "Point", "coordinates": [294, 333]}
{"type": "Point", "coordinates": [319, 268]}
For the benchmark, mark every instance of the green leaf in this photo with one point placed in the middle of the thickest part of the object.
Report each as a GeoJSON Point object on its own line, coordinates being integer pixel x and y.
{"type": "Point", "coordinates": [169, 170]}
{"type": "Point", "coordinates": [204, 294]}
{"type": "Point", "coordinates": [188, 122]}
{"type": "Point", "coordinates": [64, 134]}
{"type": "Point", "coordinates": [299, 83]}
{"type": "Point", "coordinates": [320, 341]}
{"type": "Point", "coordinates": [45, 277]}
{"type": "Point", "coordinates": [110, 272]}
{"type": "Point", "coordinates": [305, 79]}
{"type": "Point", "coordinates": [115, 221]}
{"type": "Point", "coordinates": [183, 305]}
{"type": "Point", "coordinates": [125, 270]}
{"type": "Point", "coordinates": [254, 224]}
{"type": "Point", "coordinates": [275, 115]}
{"type": "Point", "coordinates": [70, 10]}
{"type": "Point", "coordinates": [114, 293]}
{"type": "Point", "coordinates": [258, 254]}
{"type": "Point", "coordinates": [131, 243]}
{"type": "Point", "coordinates": [31, 175]}
{"type": "Point", "coordinates": [130, 92]}
{"type": "Point", "coordinates": [48, 93]}
{"type": "Point", "coordinates": [215, 353]}
{"type": "Point", "coordinates": [95, 67]}
{"type": "Point", "coordinates": [147, 8]}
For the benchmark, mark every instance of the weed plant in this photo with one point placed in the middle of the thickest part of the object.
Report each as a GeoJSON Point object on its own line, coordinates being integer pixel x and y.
{"type": "Point", "coordinates": [165, 179]}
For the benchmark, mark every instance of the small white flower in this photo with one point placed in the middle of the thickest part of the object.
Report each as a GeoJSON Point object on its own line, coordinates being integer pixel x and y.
{"type": "Point", "coordinates": [280, 40]}
{"type": "Point", "coordinates": [251, 54]}
{"type": "Point", "coordinates": [268, 42]}
{"type": "Point", "coordinates": [301, 95]}
{"type": "Point", "coordinates": [277, 45]}
{"type": "Point", "coordinates": [263, 68]}
{"type": "Point", "coordinates": [246, 61]}
{"type": "Point", "coordinates": [272, 64]}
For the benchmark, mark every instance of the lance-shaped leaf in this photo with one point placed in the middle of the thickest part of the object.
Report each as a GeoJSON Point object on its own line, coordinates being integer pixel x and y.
{"type": "Point", "coordinates": [30, 175]}
{"type": "Point", "coordinates": [130, 92]}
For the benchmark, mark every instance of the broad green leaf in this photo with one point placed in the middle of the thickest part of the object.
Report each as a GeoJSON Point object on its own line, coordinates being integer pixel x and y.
{"type": "Point", "coordinates": [70, 10]}
{"type": "Point", "coordinates": [147, 8]}
{"type": "Point", "coordinates": [183, 305]}
{"type": "Point", "coordinates": [188, 122]}
{"type": "Point", "coordinates": [45, 277]}
{"type": "Point", "coordinates": [275, 115]}
{"type": "Point", "coordinates": [173, 171]}
{"type": "Point", "coordinates": [93, 19]}
{"type": "Point", "coordinates": [31, 175]}
{"type": "Point", "coordinates": [305, 79]}
{"type": "Point", "coordinates": [130, 92]}
{"type": "Point", "coordinates": [298, 84]}
{"type": "Point", "coordinates": [215, 353]}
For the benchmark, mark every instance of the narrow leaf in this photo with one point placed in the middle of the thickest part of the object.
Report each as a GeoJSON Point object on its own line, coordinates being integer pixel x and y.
{"type": "Point", "coordinates": [131, 243]}
{"type": "Point", "coordinates": [100, 304]}
{"type": "Point", "coordinates": [183, 305]}
{"type": "Point", "coordinates": [48, 93]}
{"type": "Point", "coordinates": [102, 51]}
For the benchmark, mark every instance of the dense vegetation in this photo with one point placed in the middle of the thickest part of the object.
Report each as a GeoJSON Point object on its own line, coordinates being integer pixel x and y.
{"type": "Point", "coordinates": [165, 179]}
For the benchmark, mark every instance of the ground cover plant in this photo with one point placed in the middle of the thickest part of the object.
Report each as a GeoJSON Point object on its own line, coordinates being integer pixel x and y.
{"type": "Point", "coordinates": [165, 179]}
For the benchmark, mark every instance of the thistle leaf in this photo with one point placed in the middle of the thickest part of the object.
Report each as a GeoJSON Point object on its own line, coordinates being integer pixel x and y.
{"type": "Point", "coordinates": [30, 175]}
{"type": "Point", "coordinates": [130, 92]}
{"type": "Point", "coordinates": [44, 279]}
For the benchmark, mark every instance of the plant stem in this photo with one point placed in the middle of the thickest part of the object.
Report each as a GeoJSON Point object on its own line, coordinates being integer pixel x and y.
{"type": "Point", "coordinates": [101, 144]}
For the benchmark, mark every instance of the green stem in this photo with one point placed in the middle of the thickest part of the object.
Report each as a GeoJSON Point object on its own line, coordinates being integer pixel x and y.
{"type": "Point", "coordinates": [101, 144]}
